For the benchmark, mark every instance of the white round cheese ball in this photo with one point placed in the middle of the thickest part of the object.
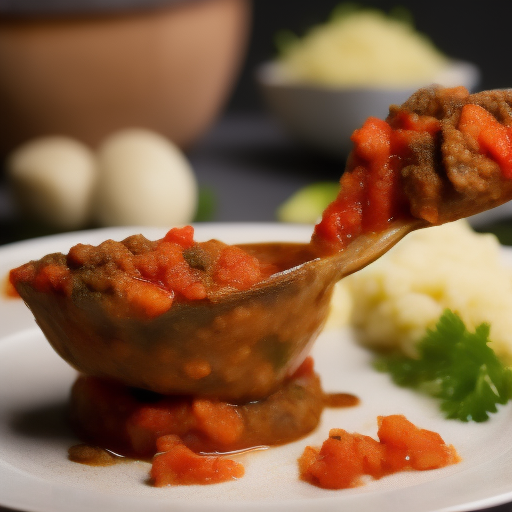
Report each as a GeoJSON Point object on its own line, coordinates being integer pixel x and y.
{"type": "Point", "coordinates": [144, 180]}
{"type": "Point", "coordinates": [53, 179]}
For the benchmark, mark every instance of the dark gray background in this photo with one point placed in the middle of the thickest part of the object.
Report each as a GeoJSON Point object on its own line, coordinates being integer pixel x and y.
{"type": "Point", "coordinates": [478, 31]}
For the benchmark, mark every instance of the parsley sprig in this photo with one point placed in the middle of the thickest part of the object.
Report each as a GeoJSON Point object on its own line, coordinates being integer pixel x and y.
{"type": "Point", "coordinates": [456, 366]}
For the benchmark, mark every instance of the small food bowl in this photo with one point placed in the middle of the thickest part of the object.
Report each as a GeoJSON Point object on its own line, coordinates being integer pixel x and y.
{"type": "Point", "coordinates": [324, 117]}
{"type": "Point", "coordinates": [86, 69]}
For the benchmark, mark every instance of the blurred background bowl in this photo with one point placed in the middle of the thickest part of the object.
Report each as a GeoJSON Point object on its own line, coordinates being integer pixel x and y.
{"type": "Point", "coordinates": [169, 67]}
{"type": "Point", "coordinates": [324, 117]}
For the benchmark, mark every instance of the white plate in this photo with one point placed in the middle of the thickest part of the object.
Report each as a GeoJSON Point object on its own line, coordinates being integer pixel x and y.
{"type": "Point", "coordinates": [35, 474]}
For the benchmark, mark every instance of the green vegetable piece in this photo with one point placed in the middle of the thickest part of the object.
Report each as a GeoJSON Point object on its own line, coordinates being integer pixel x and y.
{"type": "Point", "coordinates": [206, 205]}
{"type": "Point", "coordinates": [308, 203]}
{"type": "Point", "coordinates": [456, 366]}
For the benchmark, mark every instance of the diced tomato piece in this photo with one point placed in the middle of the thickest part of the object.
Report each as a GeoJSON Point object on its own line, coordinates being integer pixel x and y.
{"type": "Point", "coordinates": [148, 423]}
{"type": "Point", "coordinates": [493, 138]}
{"type": "Point", "coordinates": [147, 299]}
{"type": "Point", "coordinates": [219, 421]}
{"type": "Point", "coordinates": [424, 449]}
{"type": "Point", "coordinates": [372, 142]}
{"type": "Point", "coordinates": [194, 291]}
{"type": "Point", "coordinates": [306, 464]}
{"type": "Point", "coordinates": [179, 465]}
{"type": "Point", "coordinates": [53, 278]}
{"type": "Point", "coordinates": [236, 268]}
{"type": "Point", "coordinates": [341, 220]}
{"type": "Point", "coordinates": [339, 464]}
{"type": "Point", "coordinates": [339, 225]}
{"type": "Point", "coordinates": [370, 195]}
{"type": "Point", "coordinates": [379, 207]}
{"type": "Point", "coordinates": [372, 454]}
{"type": "Point", "coordinates": [184, 282]}
{"type": "Point", "coordinates": [184, 236]}
{"type": "Point", "coordinates": [166, 265]}
{"type": "Point", "coordinates": [414, 122]}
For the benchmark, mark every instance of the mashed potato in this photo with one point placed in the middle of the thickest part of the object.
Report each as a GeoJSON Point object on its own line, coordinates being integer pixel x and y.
{"type": "Point", "coordinates": [340, 308]}
{"type": "Point", "coordinates": [399, 296]}
{"type": "Point", "coordinates": [363, 47]}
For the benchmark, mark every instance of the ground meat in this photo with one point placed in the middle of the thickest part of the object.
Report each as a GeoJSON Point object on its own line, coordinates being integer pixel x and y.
{"type": "Point", "coordinates": [451, 166]}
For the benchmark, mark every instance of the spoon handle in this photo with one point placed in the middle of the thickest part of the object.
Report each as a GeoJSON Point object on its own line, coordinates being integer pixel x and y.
{"type": "Point", "coordinates": [367, 247]}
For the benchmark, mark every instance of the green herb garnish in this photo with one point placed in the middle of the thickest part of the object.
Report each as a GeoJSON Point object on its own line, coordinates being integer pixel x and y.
{"type": "Point", "coordinates": [456, 366]}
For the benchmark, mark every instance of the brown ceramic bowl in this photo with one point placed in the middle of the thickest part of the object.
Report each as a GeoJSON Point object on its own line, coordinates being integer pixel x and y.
{"type": "Point", "coordinates": [169, 68]}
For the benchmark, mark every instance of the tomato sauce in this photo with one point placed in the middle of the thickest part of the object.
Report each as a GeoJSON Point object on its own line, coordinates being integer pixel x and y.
{"type": "Point", "coordinates": [371, 193]}
{"type": "Point", "coordinates": [149, 276]}
{"type": "Point", "coordinates": [93, 455]}
{"type": "Point", "coordinates": [413, 164]}
{"type": "Point", "coordinates": [345, 458]}
{"type": "Point", "coordinates": [176, 464]}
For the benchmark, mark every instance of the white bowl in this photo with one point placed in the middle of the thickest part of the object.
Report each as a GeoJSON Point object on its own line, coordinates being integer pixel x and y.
{"type": "Point", "coordinates": [325, 117]}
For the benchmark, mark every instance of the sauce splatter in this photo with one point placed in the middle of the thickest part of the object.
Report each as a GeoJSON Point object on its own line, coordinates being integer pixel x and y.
{"type": "Point", "coordinates": [344, 458]}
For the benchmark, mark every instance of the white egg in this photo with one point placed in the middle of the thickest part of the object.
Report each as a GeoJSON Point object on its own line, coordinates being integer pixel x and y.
{"type": "Point", "coordinates": [144, 179]}
{"type": "Point", "coordinates": [53, 179]}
